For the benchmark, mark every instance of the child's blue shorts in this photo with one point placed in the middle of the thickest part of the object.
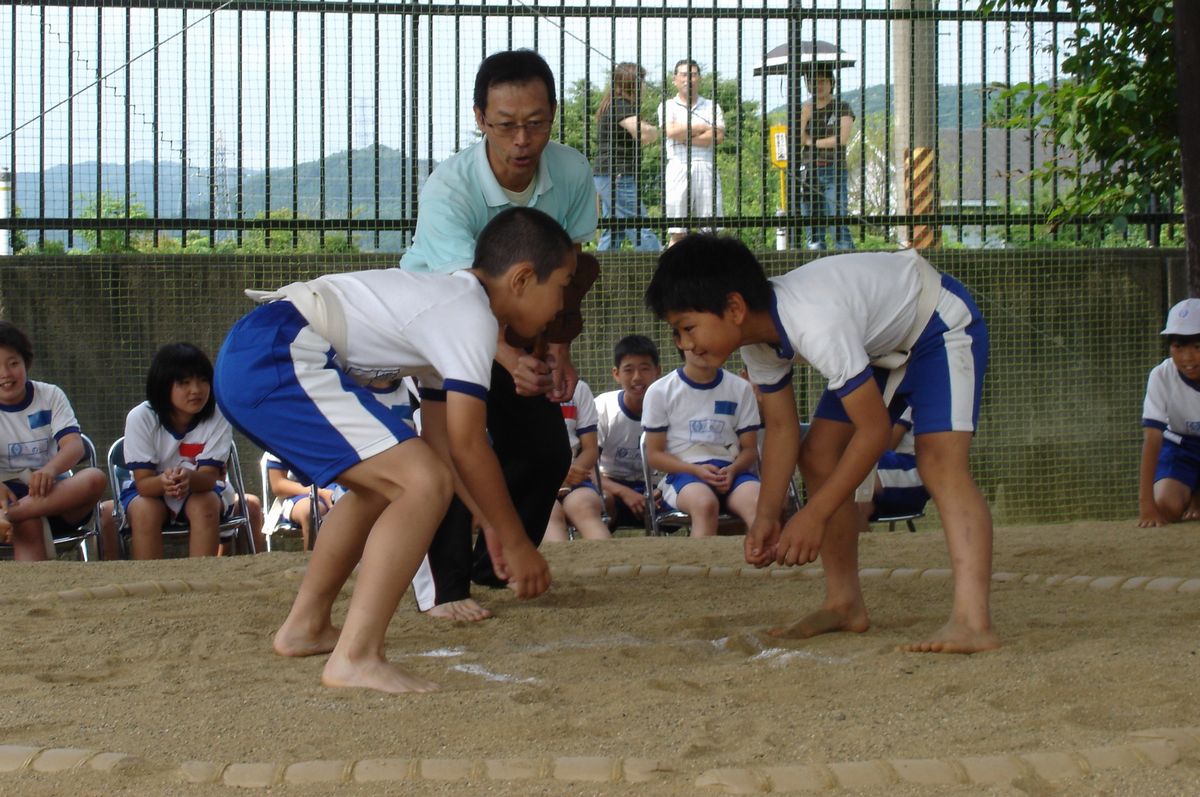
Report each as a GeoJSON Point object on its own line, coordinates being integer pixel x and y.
{"type": "Point", "coordinates": [1178, 463]}
{"type": "Point", "coordinates": [277, 381]}
{"type": "Point", "coordinates": [130, 492]}
{"type": "Point", "coordinates": [674, 483]}
{"type": "Point", "coordinates": [943, 381]}
{"type": "Point", "coordinates": [902, 493]}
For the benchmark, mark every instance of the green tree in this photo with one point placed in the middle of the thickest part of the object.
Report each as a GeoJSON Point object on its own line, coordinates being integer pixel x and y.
{"type": "Point", "coordinates": [1115, 108]}
{"type": "Point", "coordinates": [110, 206]}
{"type": "Point", "coordinates": [304, 241]}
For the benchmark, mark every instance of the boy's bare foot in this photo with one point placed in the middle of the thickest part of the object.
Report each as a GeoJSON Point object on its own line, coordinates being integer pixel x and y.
{"type": "Point", "coordinates": [824, 621]}
{"type": "Point", "coordinates": [955, 638]}
{"type": "Point", "coordinates": [466, 609]}
{"type": "Point", "coordinates": [290, 641]}
{"type": "Point", "coordinates": [6, 529]}
{"type": "Point", "coordinates": [378, 674]}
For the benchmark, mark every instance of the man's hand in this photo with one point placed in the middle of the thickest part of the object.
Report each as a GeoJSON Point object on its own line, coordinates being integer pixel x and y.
{"type": "Point", "coordinates": [565, 377]}
{"type": "Point", "coordinates": [800, 542]}
{"type": "Point", "coordinates": [532, 376]}
{"type": "Point", "coordinates": [761, 539]}
{"type": "Point", "coordinates": [528, 573]}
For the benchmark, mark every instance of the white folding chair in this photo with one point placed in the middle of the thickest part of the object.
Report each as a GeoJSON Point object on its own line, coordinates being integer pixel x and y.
{"type": "Point", "coordinates": [277, 520]}
{"type": "Point", "coordinates": [233, 529]}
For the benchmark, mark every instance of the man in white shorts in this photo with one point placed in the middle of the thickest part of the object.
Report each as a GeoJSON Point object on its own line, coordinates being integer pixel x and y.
{"type": "Point", "coordinates": [692, 127]}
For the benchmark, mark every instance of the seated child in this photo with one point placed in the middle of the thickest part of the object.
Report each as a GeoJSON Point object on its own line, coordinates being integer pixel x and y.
{"type": "Point", "coordinates": [874, 325]}
{"type": "Point", "coordinates": [579, 414]}
{"type": "Point", "coordinates": [701, 425]}
{"type": "Point", "coordinates": [1170, 466]}
{"type": "Point", "coordinates": [39, 442]}
{"type": "Point", "coordinates": [619, 416]}
{"type": "Point", "coordinates": [176, 446]}
{"type": "Point", "coordinates": [293, 499]}
{"type": "Point", "coordinates": [294, 373]}
{"type": "Point", "coordinates": [898, 489]}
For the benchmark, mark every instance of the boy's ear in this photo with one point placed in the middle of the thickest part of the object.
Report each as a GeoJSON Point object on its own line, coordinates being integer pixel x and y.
{"type": "Point", "coordinates": [521, 276]}
{"type": "Point", "coordinates": [735, 307]}
{"type": "Point", "coordinates": [615, 372]}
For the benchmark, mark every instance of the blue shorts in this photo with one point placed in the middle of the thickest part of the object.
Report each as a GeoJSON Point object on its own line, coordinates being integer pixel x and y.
{"type": "Point", "coordinates": [586, 484]}
{"type": "Point", "coordinates": [130, 492]}
{"type": "Point", "coordinates": [1178, 463]}
{"type": "Point", "coordinates": [58, 524]}
{"type": "Point", "coordinates": [902, 493]}
{"type": "Point", "coordinates": [622, 515]}
{"type": "Point", "coordinates": [674, 483]}
{"type": "Point", "coordinates": [277, 381]}
{"type": "Point", "coordinates": [943, 380]}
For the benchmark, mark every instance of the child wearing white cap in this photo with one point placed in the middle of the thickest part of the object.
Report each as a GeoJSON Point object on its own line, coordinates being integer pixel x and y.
{"type": "Point", "coordinates": [1170, 468]}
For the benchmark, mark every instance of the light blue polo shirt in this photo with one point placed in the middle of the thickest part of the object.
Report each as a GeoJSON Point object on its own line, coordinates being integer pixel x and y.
{"type": "Point", "coordinates": [462, 195]}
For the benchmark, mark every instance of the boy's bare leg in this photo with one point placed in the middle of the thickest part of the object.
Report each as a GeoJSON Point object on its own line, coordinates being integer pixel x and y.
{"type": "Point", "coordinates": [72, 498]}
{"type": "Point", "coordinates": [308, 629]}
{"type": "Point", "coordinates": [584, 509]}
{"type": "Point", "coordinates": [700, 502]}
{"type": "Point", "coordinates": [843, 608]}
{"type": "Point", "coordinates": [743, 502]}
{"type": "Point", "coordinates": [418, 487]}
{"type": "Point", "coordinates": [1193, 510]}
{"type": "Point", "coordinates": [942, 460]}
{"type": "Point", "coordinates": [556, 527]}
{"type": "Point", "coordinates": [1173, 498]}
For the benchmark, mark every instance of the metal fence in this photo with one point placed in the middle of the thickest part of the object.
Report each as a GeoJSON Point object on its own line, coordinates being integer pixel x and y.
{"type": "Point", "coordinates": [198, 124]}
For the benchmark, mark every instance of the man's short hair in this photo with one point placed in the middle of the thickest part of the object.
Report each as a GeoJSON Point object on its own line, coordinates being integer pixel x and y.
{"type": "Point", "coordinates": [13, 338]}
{"type": "Point", "coordinates": [699, 273]}
{"type": "Point", "coordinates": [522, 235]}
{"type": "Point", "coordinates": [634, 346]}
{"type": "Point", "coordinates": [512, 66]}
{"type": "Point", "coordinates": [687, 61]}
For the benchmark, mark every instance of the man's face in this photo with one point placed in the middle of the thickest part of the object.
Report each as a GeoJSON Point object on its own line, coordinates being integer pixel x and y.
{"type": "Point", "coordinates": [517, 126]}
{"type": "Point", "coordinates": [687, 80]}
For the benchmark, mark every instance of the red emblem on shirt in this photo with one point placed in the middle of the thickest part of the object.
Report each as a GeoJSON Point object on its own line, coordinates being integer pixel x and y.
{"type": "Point", "coordinates": [569, 411]}
{"type": "Point", "coordinates": [190, 451]}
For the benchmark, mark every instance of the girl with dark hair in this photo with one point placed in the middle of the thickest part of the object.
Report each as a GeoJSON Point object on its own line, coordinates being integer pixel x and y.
{"type": "Point", "coordinates": [620, 135]}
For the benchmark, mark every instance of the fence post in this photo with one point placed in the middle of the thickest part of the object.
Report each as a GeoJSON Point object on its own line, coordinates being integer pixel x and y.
{"type": "Point", "coordinates": [6, 210]}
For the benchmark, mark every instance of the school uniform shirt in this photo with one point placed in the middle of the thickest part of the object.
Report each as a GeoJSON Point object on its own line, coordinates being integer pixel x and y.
{"type": "Point", "coordinates": [1172, 405]}
{"type": "Point", "coordinates": [579, 414]}
{"type": "Point", "coordinates": [619, 434]}
{"type": "Point", "coordinates": [837, 314]}
{"type": "Point", "coordinates": [31, 429]}
{"type": "Point", "coordinates": [436, 327]}
{"type": "Point", "coordinates": [702, 421]}
{"type": "Point", "coordinates": [151, 446]}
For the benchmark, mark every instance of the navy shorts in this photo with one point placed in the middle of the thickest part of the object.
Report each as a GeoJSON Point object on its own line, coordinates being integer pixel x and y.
{"type": "Point", "coordinates": [1178, 463]}
{"type": "Point", "coordinates": [675, 482]}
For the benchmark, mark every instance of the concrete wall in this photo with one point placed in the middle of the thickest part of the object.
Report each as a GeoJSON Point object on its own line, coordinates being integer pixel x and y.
{"type": "Point", "coordinates": [1074, 334]}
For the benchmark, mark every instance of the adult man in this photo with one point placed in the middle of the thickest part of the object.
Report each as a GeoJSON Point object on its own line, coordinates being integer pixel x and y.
{"type": "Point", "coordinates": [514, 164]}
{"type": "Point", "coordinates": [692, 126]}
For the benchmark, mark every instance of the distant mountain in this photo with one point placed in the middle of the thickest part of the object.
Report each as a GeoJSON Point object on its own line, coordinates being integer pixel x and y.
{"type": "Point", "coordinates": [875, 100]}
{"type": "Point", "coordinates": [397, 176]}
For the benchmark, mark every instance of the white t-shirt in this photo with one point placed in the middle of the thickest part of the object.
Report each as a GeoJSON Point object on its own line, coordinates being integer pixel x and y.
{"type": "Point", "coordinates": [702, 421]}
{"type": "Point", "coordinates": [1173, 405]}
{"type": "Point", "coordinates": [619, 433]}
{"type": "Point", "coordinates": [151, 446]}
{"type": "Point", "coordinates": [436, 327]}
{"type": "Point", "coordinates": [579, 414]}
{"type": "Point", "coordinates": [30, 430]}
{"type": "Point", "coordinates": [837, 314]}
{"type": "Point", "coordinates": [675, 111]}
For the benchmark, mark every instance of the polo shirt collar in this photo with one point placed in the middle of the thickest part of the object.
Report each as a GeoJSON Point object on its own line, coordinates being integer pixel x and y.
{"type": "Point", "coordinates": [493, 193]}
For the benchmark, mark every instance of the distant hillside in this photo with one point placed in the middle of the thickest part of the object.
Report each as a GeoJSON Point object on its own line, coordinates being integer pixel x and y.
{"type": "Point", "coordinates": [396, 176]}
{"type": "Point", "coordinates": [875, 100]}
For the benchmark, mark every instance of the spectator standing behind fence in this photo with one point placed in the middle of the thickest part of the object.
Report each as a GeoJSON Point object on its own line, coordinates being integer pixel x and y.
{"type": "Point", "coordinates": [826, 124]}
{"type": "Point", "coordinates": [620, 135]}
{"type": "Point", "coordinates": [516, 164]}
{"type": "Point", "coordinates": [693, 126]}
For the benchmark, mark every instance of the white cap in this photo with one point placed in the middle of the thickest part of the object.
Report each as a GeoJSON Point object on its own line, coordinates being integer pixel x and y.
{"type": "Point", "coordinates": [1184, 319]}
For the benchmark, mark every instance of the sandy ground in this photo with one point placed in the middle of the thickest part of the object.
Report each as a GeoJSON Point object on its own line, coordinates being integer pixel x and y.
{"type": "Point", "coordinates": [667, 667]}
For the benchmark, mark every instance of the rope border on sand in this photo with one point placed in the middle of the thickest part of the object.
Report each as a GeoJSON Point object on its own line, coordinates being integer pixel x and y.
{"type": "Point", "coordinates": [1161, 748]}
{"type": "Point", "coordinates": [1172, 584]}
{"type": "Point", "coordinates": [137, 589]}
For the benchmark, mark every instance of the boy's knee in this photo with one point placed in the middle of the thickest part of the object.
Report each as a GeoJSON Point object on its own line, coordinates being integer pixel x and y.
{"type": "Point", "coordinates": [95, 481]}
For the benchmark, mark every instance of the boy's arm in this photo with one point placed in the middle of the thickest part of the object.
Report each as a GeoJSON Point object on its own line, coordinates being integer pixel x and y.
{"type": "Point", "coordinates": [203, 479]}
{"type": "Point", "coordinates": [661, 460]}
{"type": "Point", "coordinates": [781, 450]}
{"type": "Point", "coordinates": [282, 486]}
{"type": "Point", "coordinates": [70, 451]}
{"type": "Point", "coordinates": [801, 539]}
{"type": "Point", "coordinates": [476, 463]}
{"type": "Point", "coordinates": [433, 432]}
{"type": "Point", "coordinates": [1148, 514]}
{"type": "Point", "coordinates": [583, 465]}
{"type": "Point", "coordinates": [747, 453]}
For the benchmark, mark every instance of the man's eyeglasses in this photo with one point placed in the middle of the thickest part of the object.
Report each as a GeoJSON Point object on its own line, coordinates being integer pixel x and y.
{"type": "Point", "coordinates": [534, 127]}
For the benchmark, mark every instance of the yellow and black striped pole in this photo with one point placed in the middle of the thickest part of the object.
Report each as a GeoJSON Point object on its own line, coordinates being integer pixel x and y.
{"type": "Point", "coordinates": [921, 194]}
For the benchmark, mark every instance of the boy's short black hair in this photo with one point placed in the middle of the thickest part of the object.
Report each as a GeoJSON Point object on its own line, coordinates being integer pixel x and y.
{"type": "Point", "coordinates": [175, 362]}
{"type": "Point", "coordinates": [634, 346]}
{"type": "Point", "coordinates": [1182, 340]}
{"type": "Point", "coordinates": [512, 66]}
{"type": "Point", "coordinates": [13, 338]}
{"type": "Point", "coordinates": [699, 273]}
{"type": "Point", "coordinates": [522, 235]}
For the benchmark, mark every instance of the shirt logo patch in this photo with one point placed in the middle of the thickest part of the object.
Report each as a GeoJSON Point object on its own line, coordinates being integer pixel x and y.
{"type": "Point", "coordinates": [40, 418]}
{"type": "Point", "coordinates": [28, 454]}
{"type": "Point", "coordinates": [725, 408]}
{"type": "Point", "coordinates": [190, 451]}
{"type": "Point", "coordinates": [706, 430]}
{"type": "Point", "coordinates": [1193, 427]}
